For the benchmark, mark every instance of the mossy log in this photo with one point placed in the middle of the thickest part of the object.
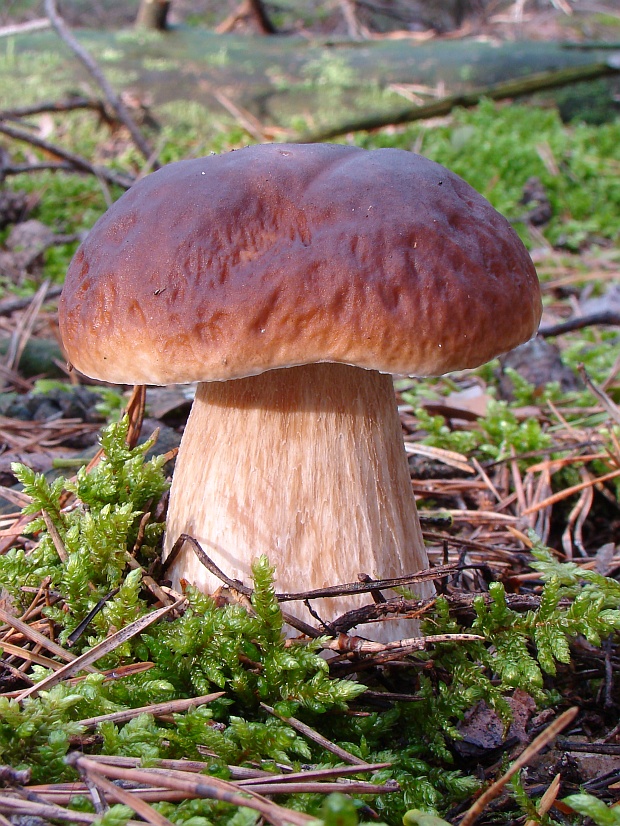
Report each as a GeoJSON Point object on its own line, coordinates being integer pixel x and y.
{"type": "Point", "coordinates": [280, 79]}
{"type": "Point", "coordinates": [518, 88]}
{"type": "Point", "coordinates": [41, 357]}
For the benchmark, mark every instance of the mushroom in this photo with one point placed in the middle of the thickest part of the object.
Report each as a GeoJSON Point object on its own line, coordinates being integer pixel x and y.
{"type": "Point", "coordinates": [291, 282]}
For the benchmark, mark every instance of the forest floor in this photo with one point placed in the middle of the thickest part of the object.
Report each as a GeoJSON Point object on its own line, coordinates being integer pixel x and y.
{"type": "Point", "coordinates": [516, 468]}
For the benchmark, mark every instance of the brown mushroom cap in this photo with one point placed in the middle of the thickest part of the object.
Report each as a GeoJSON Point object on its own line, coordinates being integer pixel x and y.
{"type": "Point", "coordinates": [280, 255]}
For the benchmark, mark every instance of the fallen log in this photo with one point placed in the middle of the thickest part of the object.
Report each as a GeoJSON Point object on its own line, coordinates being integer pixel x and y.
{"type": "Point", "coordinates": [279, 78]}
{"type": "Point", "coordinates": [519, 87]}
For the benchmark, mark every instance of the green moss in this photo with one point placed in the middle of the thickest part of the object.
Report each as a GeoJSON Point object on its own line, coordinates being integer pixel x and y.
{"type": "Point", "coordinates": [246, 655]}
{"type": "Point", "coordinates": [498, 148]}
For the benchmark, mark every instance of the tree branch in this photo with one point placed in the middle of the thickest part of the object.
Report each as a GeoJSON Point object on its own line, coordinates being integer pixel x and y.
{"type": "Point", "coordinates": [77, 161]}
{"type": "Point", "coordinates": [257, 7]}
{"type": "Point", "coordinates": [22, 28]}
{"type": "Point", "coordinates": [56, 106]}
{"type": "Point", "coordinates": [112, 98]}
{"type": "Point", "coordinates": [606, 317]}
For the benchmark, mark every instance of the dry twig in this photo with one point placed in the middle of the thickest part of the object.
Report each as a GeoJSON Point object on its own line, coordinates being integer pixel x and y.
{"type": "Point", "coordinates": [543, 740]}
{"type": "Point", "coordinates": [39, 639]}
{"type": "Point", "coordinates": [77, 162]}
{"type": "Point", "coordinates": [91, 773]}
{"type": "Point", "coordinates": [68, 105]}
{"type": "Point", "coordinates": [317, 738]}
{"type": "Point", "coordinates": [156, 709]}
{"type": "Point", "coordinates": [201, 786]}
{"type": "Point", "coordinates": [112, 98]}
{"type": "Point", "coordinates": [99, 650]}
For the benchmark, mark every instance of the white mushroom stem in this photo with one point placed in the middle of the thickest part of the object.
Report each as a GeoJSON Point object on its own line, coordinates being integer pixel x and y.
{"type": "Point", "coordinates": [306, 465]}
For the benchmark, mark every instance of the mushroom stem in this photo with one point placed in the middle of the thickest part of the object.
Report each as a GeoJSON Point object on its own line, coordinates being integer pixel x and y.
{"type": "Point", "coordinates": [306, 465]}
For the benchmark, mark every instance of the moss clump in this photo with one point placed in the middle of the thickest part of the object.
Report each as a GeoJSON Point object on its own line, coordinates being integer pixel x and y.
{"type": "Point", "coordinates": [244, 653]}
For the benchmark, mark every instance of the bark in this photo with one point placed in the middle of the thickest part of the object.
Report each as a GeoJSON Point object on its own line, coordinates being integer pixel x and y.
{"type": "Point", "coordinates": [254, 9]}
{"type": "Point", "coordinates": [258, 10]}
{"type": "Point", "coordinates": [153, 14]}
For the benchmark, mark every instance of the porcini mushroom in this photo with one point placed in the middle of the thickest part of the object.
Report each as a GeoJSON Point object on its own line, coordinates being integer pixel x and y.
{"type": "Point", "coordinates": [291, 281]}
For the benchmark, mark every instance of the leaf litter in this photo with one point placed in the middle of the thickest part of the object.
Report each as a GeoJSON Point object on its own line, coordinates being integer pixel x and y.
{"type": "Point", "coordinates": [489, 508]}
{"type": "Point", "coordinates": [516, 473]}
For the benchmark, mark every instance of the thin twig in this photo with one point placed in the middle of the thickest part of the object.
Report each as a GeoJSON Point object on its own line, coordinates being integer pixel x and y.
{"type": "Point", "coordinates": [543, 740]}
{"type": "Point", "coordinates": [317, 738]}
{"type": "Point", "coordinates": [135, 412]}
{"type": "Point", "coordinates": [365, 587]}
{"type": "Point", "coordinates": [156, 709]}
{"type": "Point", "coordinates": [140, 807]}
{"type": "Point", "coordinates": [564, 494]}
{"type": "Point", "coordinates": [591, 748]}
{"type": "Point", "coordinates": [112, 98]}
{"type": "Point", "coordinates": [59, 545]}
{"type": "Point", "coordinates": [117, 673]}
{"type": "Point", "coordinates": [23, 168]}
{"type": "Point", "coordinates": [500, 91]}
{"type": "Point", "coordinates": [105, 647]}
{"type": "Point", "coordinates": [25, 326]}
{"type": "Point", "coordinates": [308, 787]}
{"type": "Point", "coordinates": [361, 646]}
{"type": "Point", "coordinates": [314, 774]}
{"type": "Point", "coordinates": [38, 638]}
{"type": "Point", "coordinates": [200, 786]}
{"type": "Point", "coordinates": [147, 580]}
{"type": "Point", "coordinates": [182, 765]}
{"type": "Point", "coordinates": [68, 105]}
{"type": "Point", "coordinates": [11, 305]}
{"type": "Point", "coordinates": [62, 793]}
{"type": "Point", "coordinates": [610, 406]}
{"type": "Point", "coordinates": [29, 656]}
{"type": "Point", "coordinates": [246, 120]}
{"type": "Point", "coordinates": [605, 318]}
{"type": "Point", "coordinates": [22, 28]}
{"type": "Point", "coordinates": [205, 560]}
{"type": "Point", "coordinates": [330, 591]}
{"type": "Point", "coordinates": [76, 161]}
{"type": "Point", "coordinates": [242, 775]}
{"type": "Point", "coordinates": [47, 811]}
